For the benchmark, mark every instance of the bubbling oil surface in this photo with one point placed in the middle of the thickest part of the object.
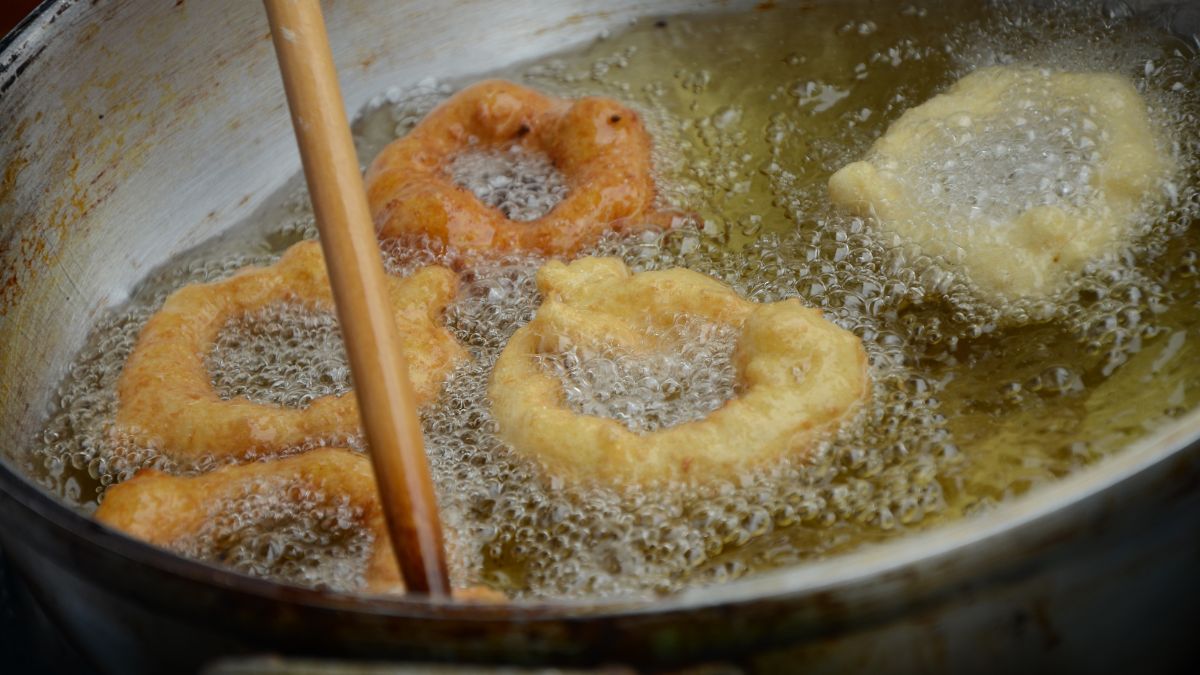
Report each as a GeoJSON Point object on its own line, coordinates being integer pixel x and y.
{"type": "Point", "coordinates": [284, 354]}
{"type": "Point", "coordinates": [284, 530]}
{"type": "Point", "coordinates": [521, 184]}
{"type": "Point", "coordinates": [689, 375]}
{"type": "Point", "coordinates": [974, 403]}
{"type": "Point", "coordinates": [1035, 157]}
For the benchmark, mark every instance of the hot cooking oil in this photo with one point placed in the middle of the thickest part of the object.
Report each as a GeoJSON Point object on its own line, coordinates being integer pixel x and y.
{"type": "Point", "coordinates": [974, 402]}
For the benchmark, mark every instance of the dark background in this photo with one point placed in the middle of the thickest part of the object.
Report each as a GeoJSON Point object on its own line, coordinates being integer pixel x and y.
{"type": "Point", "coordinates": [12, 11]}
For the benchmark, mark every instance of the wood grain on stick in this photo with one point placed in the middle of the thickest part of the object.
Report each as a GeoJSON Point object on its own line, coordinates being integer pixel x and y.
{"type": "Point", "coordinates": [385, 396]}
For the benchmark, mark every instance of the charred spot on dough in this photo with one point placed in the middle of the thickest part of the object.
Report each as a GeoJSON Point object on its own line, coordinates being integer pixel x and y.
{"type": "Point", "coordinates": [614, 119]}
{"type": "Point", "coordinates": [523, 130]}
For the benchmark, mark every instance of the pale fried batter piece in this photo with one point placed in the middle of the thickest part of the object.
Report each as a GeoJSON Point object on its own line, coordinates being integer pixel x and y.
{"type": "Point", "coordinates": [799, 376]}
{"type": "Point", "coordinates": [166, 397]}
{"type": "Point", "coordinates": [599, 145]}
{"type": "Point", "coordinates": [166, 510]}
{"type": "Point", "coordinates": [1019, 176]}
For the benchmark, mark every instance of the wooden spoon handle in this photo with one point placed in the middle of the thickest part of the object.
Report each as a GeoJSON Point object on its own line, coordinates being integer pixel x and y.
{"type": "Point", "coordinates": [385, 396]}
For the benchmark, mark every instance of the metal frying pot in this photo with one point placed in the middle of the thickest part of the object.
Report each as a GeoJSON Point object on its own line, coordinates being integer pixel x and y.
{"type": "Point", "coordinates": [135, 129]}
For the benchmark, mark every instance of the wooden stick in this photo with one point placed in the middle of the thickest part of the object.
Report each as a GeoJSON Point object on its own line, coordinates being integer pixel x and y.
{"type": "Point", "coordinates": [385, 396]}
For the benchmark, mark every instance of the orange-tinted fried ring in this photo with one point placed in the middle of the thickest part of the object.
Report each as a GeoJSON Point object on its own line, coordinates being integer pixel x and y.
{"type": "Point", "coordinates": [599, 145]}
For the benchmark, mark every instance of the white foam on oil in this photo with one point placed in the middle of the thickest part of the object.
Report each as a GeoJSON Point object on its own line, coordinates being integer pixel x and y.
{"type": "Point", "coordinates": [287, 531]}
{"type": "Point", "coordinates": [688, 376]}
{"type": "Point", "coordinates": [520, 183]}
{"type": "Point", "coordinates": [986, 172]}
{"type": "Point", "coordinates": [284, 355]}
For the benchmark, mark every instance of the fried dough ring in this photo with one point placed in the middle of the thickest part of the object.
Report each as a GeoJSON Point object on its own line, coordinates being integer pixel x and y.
{"type": "Point", "coordinates": [165, 396]}
{"type": "Point", "coordinates": [798, 376]}
{"type": "Point", "coordinates": [600, 146]}
{"type": "Point", "coordinates": [1032, 253]}
{"type": "Point", "coordinates": [163, 510]}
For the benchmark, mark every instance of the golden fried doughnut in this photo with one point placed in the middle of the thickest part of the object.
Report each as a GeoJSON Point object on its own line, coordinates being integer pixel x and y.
{"type": "Point", "coordinates": [1018, 175]}
{"type": "Point", "coordinates": [600, 146]}
{"type": "Point", "coordinates": [798, 376]}
{"type": "Point", "coordinates": [165, 395]}
{"type": "Point", "coordinates": [166, 510]}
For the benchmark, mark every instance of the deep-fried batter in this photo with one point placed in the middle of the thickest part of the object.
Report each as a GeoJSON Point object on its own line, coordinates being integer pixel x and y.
{"type": "Point", "coordinates": [1041, 199]}
{"type": "Point", "coordinates": [166, 397]}
{"type": "Point", "coordinates": [799, 376]}
{"type": "Point", "coordinates": [599, 145]}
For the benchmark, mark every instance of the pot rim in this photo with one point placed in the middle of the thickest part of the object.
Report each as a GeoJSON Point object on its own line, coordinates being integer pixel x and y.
{"type": "Point", "coordinates": [1069, 501]}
